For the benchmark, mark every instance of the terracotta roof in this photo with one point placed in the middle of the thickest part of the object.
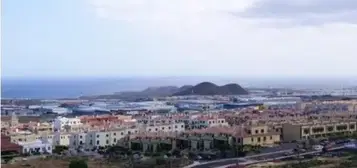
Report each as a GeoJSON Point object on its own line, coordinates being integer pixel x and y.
{"type": "Point", "coordinates": [6, 145]}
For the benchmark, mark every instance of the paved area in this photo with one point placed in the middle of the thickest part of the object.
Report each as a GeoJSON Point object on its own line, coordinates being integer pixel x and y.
{"type": "Point", "coordinates": [276, 153]}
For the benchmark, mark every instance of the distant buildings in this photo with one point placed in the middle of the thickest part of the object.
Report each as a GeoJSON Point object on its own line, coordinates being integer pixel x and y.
{"type": "Point", "coordinates": [274, 120]}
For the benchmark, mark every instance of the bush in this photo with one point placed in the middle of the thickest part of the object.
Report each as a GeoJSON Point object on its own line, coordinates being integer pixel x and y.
{"type": "Point", "coordinates": [78, 164]}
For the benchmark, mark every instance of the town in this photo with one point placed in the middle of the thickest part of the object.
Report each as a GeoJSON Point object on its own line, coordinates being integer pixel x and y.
{"type": "Point", "coordinates": [192, 131]}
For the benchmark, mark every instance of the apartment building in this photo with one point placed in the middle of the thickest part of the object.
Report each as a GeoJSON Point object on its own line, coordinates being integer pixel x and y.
{"type": "Point", "coordinates": [207, 121]}
{"type": "Point", "coordinates": [40, 128]}
{"type": "Point", "coordinates": [261, 135]}
{"type": "Point", "coordinates": [174, 127]}
{"type": "Point", "coordinates": [61, 139]}
{"type": "Point", "coordinates": [214, 137]}
{"type": "Point", "coordinates": [27, 136]}
{"type": "Point", "coordinates": [95, 139]}
{"type": "Point", "coordinates": [153, 141]}
{"type": "Point", "coordinates": [317, 129]}
{"type": "Point", "coordinates": [40, 146]}
{"type": "Point", "coordinates": [60, 123]}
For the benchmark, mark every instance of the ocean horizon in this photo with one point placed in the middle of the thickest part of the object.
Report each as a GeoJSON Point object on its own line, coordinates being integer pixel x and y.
{"type": "Point", "coordinates": [76, 87]}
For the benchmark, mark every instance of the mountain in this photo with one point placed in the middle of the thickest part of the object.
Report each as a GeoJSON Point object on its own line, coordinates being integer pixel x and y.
{"type": "Point", "coordinates": [204, 88]}
{"type": "Point", "coordinates": [208, 88]}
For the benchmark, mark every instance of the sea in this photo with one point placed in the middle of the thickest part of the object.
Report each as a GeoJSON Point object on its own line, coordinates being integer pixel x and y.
{"type": "Point", "coordinates": [54, 88]}
{"type": "Point", "coordinates": [76, 87]}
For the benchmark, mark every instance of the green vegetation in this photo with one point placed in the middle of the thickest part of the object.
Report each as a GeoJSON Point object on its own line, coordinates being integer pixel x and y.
{"type": "Point", "coordinates": [59, 149]}
{"type": "Point", "coordinates": [78, 164]}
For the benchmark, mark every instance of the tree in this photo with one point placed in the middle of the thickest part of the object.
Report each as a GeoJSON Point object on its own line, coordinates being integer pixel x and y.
{"type": "Point", "coordinates": [78, 164]}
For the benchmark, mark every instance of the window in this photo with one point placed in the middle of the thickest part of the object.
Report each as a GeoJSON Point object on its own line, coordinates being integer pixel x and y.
{"type": "Point", "coordinates": [256, 131]}
{"type": "Point", "coordinates": [149, 129]}
{"type": "Point", "coordinates": [175, 126]}
{"type": "Point", "coordinates": [163, 128]}
{"type": "Point", "coordinates": [318, 129]}
{"type": "Point", "coordinates": [306, 131]}
{"type": "Point", "coordinates": [129, 132]}
{"type": "Point", "coordinates": [155, 129]}
{"type": "Point", "coordinates": [258, 139]}
{"type": "Point", "coordinates": [90, 142]}
{"type": "Point", "coordinates": [252, 139]}
{"type": "Point", "coordinates": [181, 126]}
{"type": "Point", "coordinates": [341, 127]}
{"type": "Point", "coordinates": [107, 135]}
{"type": "Point", "coordinates": [115, 134]}
{"type": "Point", "coordinates": [169, 127]}
{"type": "Point", "coordinates": [122, 133]}
{"type": "Point", "coordinates": [264, 138]}
{"type": "Point", "coordinates": [80, 142]}
{"type": "Point", "coordinates": [98, 142]}
{"type": "Point", "coordinates": [352, 126]}
{"type": "Point", "coordinates": [80, 137]}
{"type": "Point", "coordinates": [262, 131]}
{"type": "Point", "coordinates": [97, 136]}
{"type": "Point", "coordinates": [107, 141]}
{"type": "Point", "coordinates": [271, 137]}
{"type": "Point", "coordinates": [115, 140]}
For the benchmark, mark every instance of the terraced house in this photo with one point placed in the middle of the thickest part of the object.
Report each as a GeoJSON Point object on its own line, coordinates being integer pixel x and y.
{"type": "Point", "coordinates": [206, 139]}
{"type": "Point", "coordinates": [317, 129]}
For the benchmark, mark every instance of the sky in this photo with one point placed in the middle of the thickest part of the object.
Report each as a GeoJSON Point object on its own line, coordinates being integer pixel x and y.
{"type": "Point", "coordinates": [245, 38]}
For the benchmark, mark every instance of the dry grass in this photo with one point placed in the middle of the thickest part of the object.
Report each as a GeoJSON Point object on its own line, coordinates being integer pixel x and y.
{"type": "Point", "coordinates": [55, 163]}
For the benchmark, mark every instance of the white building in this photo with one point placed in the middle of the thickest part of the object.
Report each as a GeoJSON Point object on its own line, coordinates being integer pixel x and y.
{"type": "Point", "coordinates": [175, 127]}
{"type": "Point", "coordinates": [95, 139]}
{"type": "Point", "coordinates": [60, 122]}
{"type": "Point", "coordinates": [61, 139]}
{"type": "Point", "coordinates": [41, 146]}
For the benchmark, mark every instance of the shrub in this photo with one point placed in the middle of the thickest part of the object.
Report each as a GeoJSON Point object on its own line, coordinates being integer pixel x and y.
{"type": "Point", "coordinates": [78, 164]}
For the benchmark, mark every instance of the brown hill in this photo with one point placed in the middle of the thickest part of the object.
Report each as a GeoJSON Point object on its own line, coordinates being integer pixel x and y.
{"type": "Point", "coordinates": [208, 88]}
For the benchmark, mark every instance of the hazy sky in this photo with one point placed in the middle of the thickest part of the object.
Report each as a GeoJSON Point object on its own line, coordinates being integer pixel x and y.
{"type": "Point", "coordinates": [242, 38]}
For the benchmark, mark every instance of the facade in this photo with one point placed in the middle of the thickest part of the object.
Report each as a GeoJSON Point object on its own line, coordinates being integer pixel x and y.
{"type": "Point", "coordinates": [26, 136]}
{"type": "Point", "coordinates": [60, 122]}
{"type": "Point", "coordinates": [317, 129]}
{"type": "Point", "coordinates": [61, 139]}
{"type": "Point", "coordinates": [95, 139]}
{"type": "Point", "coordinates": [41, 146]}
{"type": "Point", "coordinates": [205, 139]}
{"type": "Point", "coordinates": [207, 121]}
{"type": "Point", "coordinates": [175, 127]}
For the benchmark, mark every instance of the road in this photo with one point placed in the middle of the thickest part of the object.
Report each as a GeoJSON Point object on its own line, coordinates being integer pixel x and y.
{"type": "Point", "coordinates": [280, 157]}
{"type": "Point", "coordinates": [265, 157]}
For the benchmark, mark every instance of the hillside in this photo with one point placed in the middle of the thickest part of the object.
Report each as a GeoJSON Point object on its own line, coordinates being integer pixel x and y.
{"type": "Point", "coordinates": [208, 88]}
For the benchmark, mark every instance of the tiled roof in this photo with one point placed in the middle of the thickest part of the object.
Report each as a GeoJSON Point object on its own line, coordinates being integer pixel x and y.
{"type": "Point", "coordinates": [6, 145]}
